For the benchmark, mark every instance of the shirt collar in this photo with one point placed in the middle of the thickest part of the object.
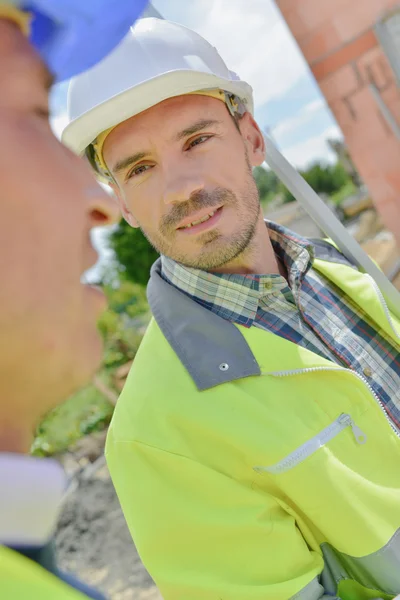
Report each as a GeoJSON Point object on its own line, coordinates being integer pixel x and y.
{"type": "Point", "coordinates": [236, 297]}
{"type": "Point", "coordinates": [32, 490]}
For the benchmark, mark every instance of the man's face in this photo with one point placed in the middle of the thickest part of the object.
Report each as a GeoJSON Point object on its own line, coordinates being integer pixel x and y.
{"type": "Point", "coordinates": [49, 202]}
{"type": "Point", "coordinates": [183, 174]}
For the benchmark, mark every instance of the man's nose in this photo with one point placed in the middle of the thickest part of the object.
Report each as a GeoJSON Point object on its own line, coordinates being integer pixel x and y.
{"type": "Point", "coordinates": [181, 188]}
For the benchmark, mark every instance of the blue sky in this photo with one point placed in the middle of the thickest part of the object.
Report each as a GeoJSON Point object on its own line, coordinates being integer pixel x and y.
{"type": "Point", "coordinates": [258, 46]}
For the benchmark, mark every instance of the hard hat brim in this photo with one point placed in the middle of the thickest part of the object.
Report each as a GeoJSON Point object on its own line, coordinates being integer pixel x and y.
{"type": "Point", "coordinates": [82, 131]}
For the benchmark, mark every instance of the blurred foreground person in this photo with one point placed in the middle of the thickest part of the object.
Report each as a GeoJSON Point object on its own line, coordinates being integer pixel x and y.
{"type": "Point", "coordinates": [49, 344]}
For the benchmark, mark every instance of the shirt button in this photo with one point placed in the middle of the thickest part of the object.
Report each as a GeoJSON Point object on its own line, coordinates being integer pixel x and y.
{"type": "Point", "coordinates": [268, 284]}
{"type": "Point", "coordinates": [367, 372]}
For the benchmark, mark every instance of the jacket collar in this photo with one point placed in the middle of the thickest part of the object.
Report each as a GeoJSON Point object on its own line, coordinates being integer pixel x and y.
{"type": "Point", "coordinates": [212, 349]}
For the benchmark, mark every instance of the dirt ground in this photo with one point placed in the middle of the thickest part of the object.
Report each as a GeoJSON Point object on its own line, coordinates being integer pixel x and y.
{"type": "Point", "coordinates": [93, 541]}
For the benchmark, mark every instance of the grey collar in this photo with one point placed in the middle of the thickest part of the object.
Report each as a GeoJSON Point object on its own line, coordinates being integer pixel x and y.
{"type": "Point", "coordinates": [211, 348]}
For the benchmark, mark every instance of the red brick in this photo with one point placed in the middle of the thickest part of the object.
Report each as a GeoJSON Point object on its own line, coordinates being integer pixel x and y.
{"type": "Point", "coordinates": [318, 44]}
{"type": "Point", "coordinates": [334, 36]}
{"type": "Point", "coordinates": [386, 196]}
{"type": "Point", "coordinates": [374, 63]}
{"type": "Point", "coordinates": [316, 13]}
{"type": "Point", "coordinates": [285, 5]}
{"type": "Point", "coordinates": [392, 94]}
{"type": "Point", "coordinates": [297, 25]}
{"type": "Point", "coordinates": [359, 16]}
{"type": "Point", "coordinates": [339, 84]}
{"type": "Point", "coordinates": [344, 55]}
{"type": "Point", "coordinates": [369, 117]}
{"type": "Point", "coordinates": [343, 116]}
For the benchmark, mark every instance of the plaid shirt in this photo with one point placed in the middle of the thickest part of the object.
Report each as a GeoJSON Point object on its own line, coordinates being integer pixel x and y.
{"type": "Point", "coordinates": [311, 311]}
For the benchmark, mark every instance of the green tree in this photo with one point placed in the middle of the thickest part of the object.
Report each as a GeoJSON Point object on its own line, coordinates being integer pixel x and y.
{"type": "Point", "coordinates": [324, 179]}
{"type": "Point", "coordinates": [127, 304]}
{"type": "Point", "coordinates": [133, 252]}
{"type": "Point", "coordinates": [267, 183]}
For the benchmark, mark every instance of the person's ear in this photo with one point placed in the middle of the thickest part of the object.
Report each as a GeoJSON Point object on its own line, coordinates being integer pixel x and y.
{"type": "Point", "coordinates": [253, 139]}
{"type": "Point", "coordinates": [126, 213]}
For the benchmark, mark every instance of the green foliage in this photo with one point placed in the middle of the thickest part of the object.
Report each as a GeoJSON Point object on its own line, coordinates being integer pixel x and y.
{"type": "Point", "coordinates": [267, 184]}
{"type": "Point", "coordinates": [121, 345]}
{"type": "Point", "coordinates": [324, 179]}
{"type": "Point", "coordinates": [117, 324]}
{"type": "Point", "coordinates": [134, 253]}
{"type": "Point", "coordinates": [127, 297]}
{"type": "Point", "coordinates": [86, 411]}
{"type": "Point", "coordinates": [347, 190]}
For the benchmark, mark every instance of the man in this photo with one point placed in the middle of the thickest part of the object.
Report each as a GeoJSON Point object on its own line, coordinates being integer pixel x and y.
{"type": "Point", "coordinates": [50, 346]}
{"type": "Point", "coordinates": [255, 448]}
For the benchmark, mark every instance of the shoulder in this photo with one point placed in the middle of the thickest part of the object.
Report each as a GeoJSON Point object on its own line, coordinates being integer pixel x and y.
{"type": "Point", "coordinates": [325, 249]}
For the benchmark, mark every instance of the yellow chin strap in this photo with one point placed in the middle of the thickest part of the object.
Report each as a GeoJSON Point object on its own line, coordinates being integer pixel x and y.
{"type": "Point", "coordinates": [98, 143]}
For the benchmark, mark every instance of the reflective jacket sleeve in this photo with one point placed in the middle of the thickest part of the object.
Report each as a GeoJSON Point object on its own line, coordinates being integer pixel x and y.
{"type": "Point", "coordinates": [205, 536]}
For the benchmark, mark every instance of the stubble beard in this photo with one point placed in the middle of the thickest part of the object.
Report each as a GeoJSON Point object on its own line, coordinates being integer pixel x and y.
{"type": "Point", "coordinates": [216, 249]}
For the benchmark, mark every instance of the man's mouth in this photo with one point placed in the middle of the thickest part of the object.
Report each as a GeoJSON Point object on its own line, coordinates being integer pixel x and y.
{"type": "Point", "coordinates": [200, 223]}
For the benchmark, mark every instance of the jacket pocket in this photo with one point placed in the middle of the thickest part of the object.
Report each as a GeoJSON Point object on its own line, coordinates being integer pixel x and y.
{"type": "Point", "coordinates": [312, 445]}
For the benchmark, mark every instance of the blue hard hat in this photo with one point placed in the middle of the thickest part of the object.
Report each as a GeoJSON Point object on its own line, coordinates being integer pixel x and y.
{"type": "Point", "coordinates": [73, 35]}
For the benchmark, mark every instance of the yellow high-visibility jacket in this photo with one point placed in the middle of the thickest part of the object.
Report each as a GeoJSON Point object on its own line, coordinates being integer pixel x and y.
{"type": "Point", "coordinates": [250, 468]}
{"type": "Point", "coordinates": [24, 579]}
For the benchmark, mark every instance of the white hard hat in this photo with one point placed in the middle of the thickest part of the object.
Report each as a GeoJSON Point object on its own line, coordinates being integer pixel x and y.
{"type": "Point", "coordinates": [155, 61]}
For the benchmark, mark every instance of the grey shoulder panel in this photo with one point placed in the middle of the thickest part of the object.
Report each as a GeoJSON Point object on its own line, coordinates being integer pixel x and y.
{"type": "Point", "coordinates": [324, 250]}
{"type": "Point", "coordinates": [212, 349]}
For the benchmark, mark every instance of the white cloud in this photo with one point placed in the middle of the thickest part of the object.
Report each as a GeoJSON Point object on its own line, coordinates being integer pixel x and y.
{"type": "Point", "coordinates": [254, 41]}
{"type": "Point", "coordinates": [313, 149]}
{"type": "Point", "coordinates": [303, 116]}
{"type": "Point", "coordinates": [314, 106]}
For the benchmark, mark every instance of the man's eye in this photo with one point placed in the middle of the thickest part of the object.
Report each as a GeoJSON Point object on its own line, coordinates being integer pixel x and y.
{"type": "Point", "coordinates": [138, 171]}
{"type": "Point", "coordinates": [200, 140]}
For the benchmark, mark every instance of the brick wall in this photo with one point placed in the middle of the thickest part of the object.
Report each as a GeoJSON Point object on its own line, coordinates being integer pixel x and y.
{"type": "Point", "coordinates": [338, 41]}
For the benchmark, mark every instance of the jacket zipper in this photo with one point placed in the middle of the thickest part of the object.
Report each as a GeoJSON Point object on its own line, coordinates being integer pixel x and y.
{"type": "Point", "coordinates": [312, 445]}
{"type": "Point", "coordinates": [360, 377]}
{"type": "Point", "coordinates": [389, 318]}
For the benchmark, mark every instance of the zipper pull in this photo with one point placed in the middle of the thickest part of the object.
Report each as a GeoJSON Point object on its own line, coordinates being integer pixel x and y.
{"type": "Point", "coordinates": [359, 435]}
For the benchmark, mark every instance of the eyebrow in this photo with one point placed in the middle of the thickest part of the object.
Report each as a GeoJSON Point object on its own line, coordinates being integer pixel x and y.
{"type": "Point", "coordinates": [124, 163]}
{"type": "Point", "coordinates": [198, 126]}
